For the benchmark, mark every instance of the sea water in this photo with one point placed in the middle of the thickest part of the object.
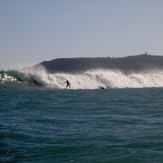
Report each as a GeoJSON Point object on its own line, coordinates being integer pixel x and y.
{"type": "Point", "coordinates": [81, 126]}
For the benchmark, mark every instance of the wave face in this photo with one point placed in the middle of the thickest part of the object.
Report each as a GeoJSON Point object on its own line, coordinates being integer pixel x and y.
{"type": "Point", "coordinates": [92, 79]}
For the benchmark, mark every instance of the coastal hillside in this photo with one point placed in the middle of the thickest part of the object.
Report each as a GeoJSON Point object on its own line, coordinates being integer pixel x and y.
{"type": "Point", "coordinates": [127, 64]}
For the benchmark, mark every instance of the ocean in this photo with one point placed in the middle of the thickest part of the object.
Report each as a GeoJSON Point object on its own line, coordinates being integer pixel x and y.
{"type": "Point", "coordinates": [42, 122]}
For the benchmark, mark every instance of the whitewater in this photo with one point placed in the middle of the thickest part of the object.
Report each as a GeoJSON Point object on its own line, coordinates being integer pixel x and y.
{"type": "Point", "coordinates": [92, 79]}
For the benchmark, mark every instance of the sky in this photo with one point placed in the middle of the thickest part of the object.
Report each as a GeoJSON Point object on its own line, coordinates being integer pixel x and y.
{"type": "Point", "coordinates": [32, 31]}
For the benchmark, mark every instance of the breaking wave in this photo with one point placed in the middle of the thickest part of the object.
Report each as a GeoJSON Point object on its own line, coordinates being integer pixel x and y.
{"type": "Point", "coordinates": [92, 79]}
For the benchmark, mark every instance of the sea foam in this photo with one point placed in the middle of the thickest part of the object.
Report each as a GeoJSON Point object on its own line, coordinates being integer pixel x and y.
{"type": "Point", "coordinates": [92, 79]}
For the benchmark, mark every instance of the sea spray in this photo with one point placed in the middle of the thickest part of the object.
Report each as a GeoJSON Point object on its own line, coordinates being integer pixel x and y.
{"type": "Point", "coordinates": [92, 79]}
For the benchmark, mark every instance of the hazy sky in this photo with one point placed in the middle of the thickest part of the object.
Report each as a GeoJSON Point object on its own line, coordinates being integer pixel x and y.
{"type": "Point", "coordinates": [32, 31]}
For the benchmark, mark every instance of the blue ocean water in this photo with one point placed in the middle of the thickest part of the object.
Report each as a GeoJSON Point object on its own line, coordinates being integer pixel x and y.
{"type": "Point", "coordinates": [112, 125]}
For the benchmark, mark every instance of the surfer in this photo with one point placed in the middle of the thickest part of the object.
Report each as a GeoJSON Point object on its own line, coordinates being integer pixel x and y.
{"type": "Point", "coordinates": [101, 87]}
{"type": "Point", "coordinates": [67, 84]}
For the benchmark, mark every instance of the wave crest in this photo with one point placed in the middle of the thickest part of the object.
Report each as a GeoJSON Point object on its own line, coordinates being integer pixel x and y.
{"type": "Point", "coordinates": [92, 79]}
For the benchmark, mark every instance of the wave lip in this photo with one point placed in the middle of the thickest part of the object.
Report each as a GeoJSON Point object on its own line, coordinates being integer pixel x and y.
{"type": "Point", "coordinates": [19, 77]}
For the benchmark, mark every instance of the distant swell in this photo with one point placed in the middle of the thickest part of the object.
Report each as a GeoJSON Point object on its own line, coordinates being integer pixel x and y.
{"type": "Point", "coordinates": [92, 79]}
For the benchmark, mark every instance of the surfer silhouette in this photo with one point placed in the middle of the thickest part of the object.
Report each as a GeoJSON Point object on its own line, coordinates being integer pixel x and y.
{"type": "Point", "coordinates": [101, 87]}
{"type": "Point", "coordinates": [67, 84]}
